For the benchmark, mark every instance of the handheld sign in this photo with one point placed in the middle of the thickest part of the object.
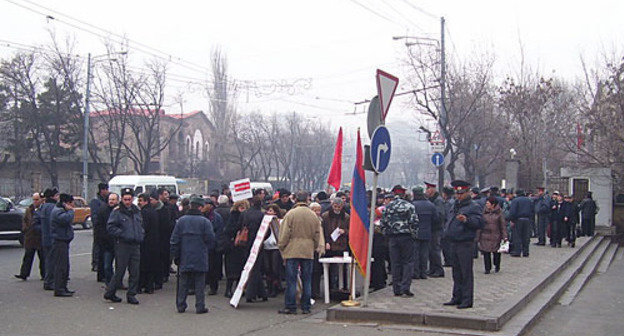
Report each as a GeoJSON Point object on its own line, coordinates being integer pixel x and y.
{"type": "Point", "coordinates": [241, 189]}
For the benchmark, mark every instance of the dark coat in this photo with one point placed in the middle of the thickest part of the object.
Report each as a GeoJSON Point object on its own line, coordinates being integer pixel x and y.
{"type": "Point", "coordinates": [102, 237]}
{"type": "Point", "coordinates": [521, 207]}
{"type": "Point", "coordinates": [126, 224]}
{"type": "Point", "coordinates": [164, 225]}
{"type": "Point", "coordinates": [438, 202]}
{"type": "Point", "coordinates": [32, 237]}
{"type": "Point", "coordinates": [61, 221]}
{"type": "Point", "coordinates": [464, 231]}
{"type": "Point", "coordinates": [427, 216]}
{"type": "Point", "coordinates": [235, 256]}
{"type": "Point", "coordinates": [252, 218]}
{"type": "Point", "coordinates": [331, 221]}
{"type": "Point", "coordinates": [217, 225]}
{"type": "Point", "coordinates": [588, 208]}
{"type": "Point", "coordinates": [568, 212]}
{"type": "Point", "coordinates": [191, 239]}
{"type": "Point", "coordinates": [42, 222]}
{"type": "Point", "coordinates": [286, 206]}
{"type": "Point", "coordinates": [96, 204]}
{"type": "Point", "coordinates": [224, 212]}
{"type": "Point", "coordinates": [494, 230]}
{"type": "Point", "coordinates": [150, 247]}
{"type": "Point", "coordinates": [542, 205]}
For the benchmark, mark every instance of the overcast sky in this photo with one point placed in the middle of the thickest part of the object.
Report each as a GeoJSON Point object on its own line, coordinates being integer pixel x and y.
{"type": "Point", "coordinates": [337, 44]}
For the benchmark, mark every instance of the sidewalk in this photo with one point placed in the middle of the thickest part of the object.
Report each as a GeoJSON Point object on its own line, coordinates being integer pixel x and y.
{"type": "Point", "coordinates": [494, 293]}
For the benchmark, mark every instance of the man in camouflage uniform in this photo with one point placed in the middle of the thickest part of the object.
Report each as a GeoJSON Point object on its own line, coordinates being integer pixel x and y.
{"type": "Point", "coordinates": [399, 223]}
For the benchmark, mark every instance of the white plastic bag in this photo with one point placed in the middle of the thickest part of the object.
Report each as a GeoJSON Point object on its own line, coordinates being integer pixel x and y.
{"type": "Point", "coordinates": [504, 247]}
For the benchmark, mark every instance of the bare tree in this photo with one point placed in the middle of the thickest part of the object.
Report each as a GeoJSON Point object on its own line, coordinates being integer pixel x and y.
{"type": "Point", "coordinates": [222, 96]}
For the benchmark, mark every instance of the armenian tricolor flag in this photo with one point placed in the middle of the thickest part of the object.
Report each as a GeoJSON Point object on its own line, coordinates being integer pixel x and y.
{"type": "Point", "coordinates": [359, 223]}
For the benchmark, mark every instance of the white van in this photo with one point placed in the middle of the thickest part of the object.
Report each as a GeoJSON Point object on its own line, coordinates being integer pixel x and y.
{"type": "Point", "coordinates": [264, 185]}
{"type": "Point", "coordinates": [143, 183]}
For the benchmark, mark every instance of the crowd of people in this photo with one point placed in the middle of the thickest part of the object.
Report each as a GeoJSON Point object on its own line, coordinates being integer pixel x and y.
{"type": "Point", "coordinates": [416, 235]}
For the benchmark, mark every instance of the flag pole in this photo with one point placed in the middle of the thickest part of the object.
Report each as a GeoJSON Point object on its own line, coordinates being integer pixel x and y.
{"type": "Point", "coordinates": [351, 302]}
{"type": "Point", "coordinates": [371, 231]}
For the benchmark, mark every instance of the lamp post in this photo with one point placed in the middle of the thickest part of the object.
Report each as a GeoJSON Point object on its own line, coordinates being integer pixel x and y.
{"type": "Point", "coordinates": [85, 142]}
{"type": "Point", "coordinates": [443, 117]}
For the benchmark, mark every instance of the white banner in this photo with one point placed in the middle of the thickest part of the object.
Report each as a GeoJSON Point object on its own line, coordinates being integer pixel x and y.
{"type": "Point", "coordinates": [253, 255]}
{"type": "Point", "coordinates": [241, 189]}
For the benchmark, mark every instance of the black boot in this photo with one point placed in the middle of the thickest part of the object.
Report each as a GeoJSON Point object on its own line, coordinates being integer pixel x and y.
{"type": "Point", "coordinates": [228, 288]}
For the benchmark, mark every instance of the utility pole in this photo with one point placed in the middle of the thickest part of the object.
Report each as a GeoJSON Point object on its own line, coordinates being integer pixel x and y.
{"type": "Point", "coordinates": [443, 119]}
{"type": "Point", "coordinates": [85, 142]}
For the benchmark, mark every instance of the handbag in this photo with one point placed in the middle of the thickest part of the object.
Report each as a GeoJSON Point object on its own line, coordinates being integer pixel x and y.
{"type": "Point", "coordinates": [504, 247]}
{"type": "Point", "coordinates": [242, 237]}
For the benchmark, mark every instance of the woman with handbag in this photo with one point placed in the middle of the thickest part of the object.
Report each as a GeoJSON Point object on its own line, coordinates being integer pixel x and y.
{"type": "Point", "coordinates": [273, 262]}
{"type": "Point", "coordinates": [489, 238]}
{"type": "Point", "coordinates": [234, 244]}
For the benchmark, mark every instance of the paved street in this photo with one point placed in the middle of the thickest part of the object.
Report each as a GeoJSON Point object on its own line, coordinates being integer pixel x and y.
{"type": "Point", "coordinates": [597, 310]}
{"type": "Point", "coordinates": [28, 310]}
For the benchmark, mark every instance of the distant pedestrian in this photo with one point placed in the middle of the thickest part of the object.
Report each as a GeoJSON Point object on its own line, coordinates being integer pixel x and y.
{"type": "Point", "coordinates": [428, 216]}
{"type": "Point", "coordinates": [299, 238]}
{"type": "Point", "coordinates": [464, 220]}
{"type": "Point", "coordinates": [61, 220]}
{"type": "Point", "coordinates": [570, 214]}
{"type": "Point", "coordinates": [32, 240]}
{"type": "Point", "coordinates": [100, 200]}
{"type": "Point", "coordinates": [42, 223]}
{"type": "Point", "coordinates": [125, 224]}
{"type": "Point", "coordinates": [192, 238]}
{"type": "Point", "coordinates": [105, 241]}
{"type": "Point", "coordinates": [589, 209]}
{"type": "Point", "coordinates": [493, 232]}
{"type": "Point", "coordinates": [521, 213]}
{"type": "Point", "coordinates": [215, 271]}
{"type": "Point", "coordinates": [151, 265]}
{"type": "Point", "coordinates": [542, 209]}
{"type": "Point", "coordinates": [235, 254]}
{"type": "Point", "coordinates": [435, 244]}
{"type": "Point", "coordinates": [336, 225]}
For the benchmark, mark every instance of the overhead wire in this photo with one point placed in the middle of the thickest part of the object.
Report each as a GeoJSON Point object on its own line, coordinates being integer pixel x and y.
{"type": "Point", "coordinates": [419, 9]}
{"type": "Point", "coordinates": [114, 34]}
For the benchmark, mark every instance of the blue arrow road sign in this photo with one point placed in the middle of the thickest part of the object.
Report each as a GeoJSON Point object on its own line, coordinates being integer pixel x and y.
{"type": "Point", "coordinates": [380, 149]}
{"type": "Point", "coordinates": [437, 159]}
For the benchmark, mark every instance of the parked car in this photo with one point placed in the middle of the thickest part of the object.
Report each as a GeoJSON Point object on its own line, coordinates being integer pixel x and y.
{"type": "Point", "coordinates": [24, 204]}
{"type": "Point", "coordinates": [82, 213]}
{"type": "Point", "coordinates": [10, 221]}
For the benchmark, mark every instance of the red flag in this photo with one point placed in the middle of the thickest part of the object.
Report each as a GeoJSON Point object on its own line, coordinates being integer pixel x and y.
{"type": "Point", "coordinates": [359, 220]}
{"type": "Point", "coordinates": [335, 172]}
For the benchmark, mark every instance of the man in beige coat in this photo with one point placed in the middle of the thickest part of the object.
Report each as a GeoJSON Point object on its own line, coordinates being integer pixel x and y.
{"type": "Point", "coordinates": [299, 237]}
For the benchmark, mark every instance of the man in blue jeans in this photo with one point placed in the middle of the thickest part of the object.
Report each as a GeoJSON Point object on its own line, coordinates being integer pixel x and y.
{"type": "Point", "coordinates": [299, 236]}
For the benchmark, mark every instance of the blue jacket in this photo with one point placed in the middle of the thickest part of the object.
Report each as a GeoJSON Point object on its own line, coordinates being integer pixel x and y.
{"type": "Point", "coordinates": [217, 225]}
{"type": "Point", "coordinates": [61, 221]}
{"type": "Point", "coordinates": [437, 200]}
{"type": "Point", "coordinates": [191, 239]}
{"type": "Point", "coordinates": [521, 207]}
{"type": "Point", "coordinates": [427, 215]}
{"type": "Point", "coordinates": [95, 205]}
{"type": "Point", "coordinates": [464, 231]}
{"type": "Point", "coordinates": [126, 224]}
{"type": "Point", "coordinates": [42, 222]}
{"type": "Point", "coordinates": [542, 205]}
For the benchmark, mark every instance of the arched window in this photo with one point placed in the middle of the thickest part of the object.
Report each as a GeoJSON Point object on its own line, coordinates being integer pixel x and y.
{"type": "Point", "coordinates": [205, 151]}
{"type": "Point", "coordinates": [189, 148]}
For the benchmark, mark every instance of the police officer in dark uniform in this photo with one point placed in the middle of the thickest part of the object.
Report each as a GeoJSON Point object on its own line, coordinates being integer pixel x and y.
{"type": "Point", "coordinates": [463, 222]}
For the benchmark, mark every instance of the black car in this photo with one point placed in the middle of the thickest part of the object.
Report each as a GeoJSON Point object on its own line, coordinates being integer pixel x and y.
{"type": "Point", "coordinates": [10, 221]}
